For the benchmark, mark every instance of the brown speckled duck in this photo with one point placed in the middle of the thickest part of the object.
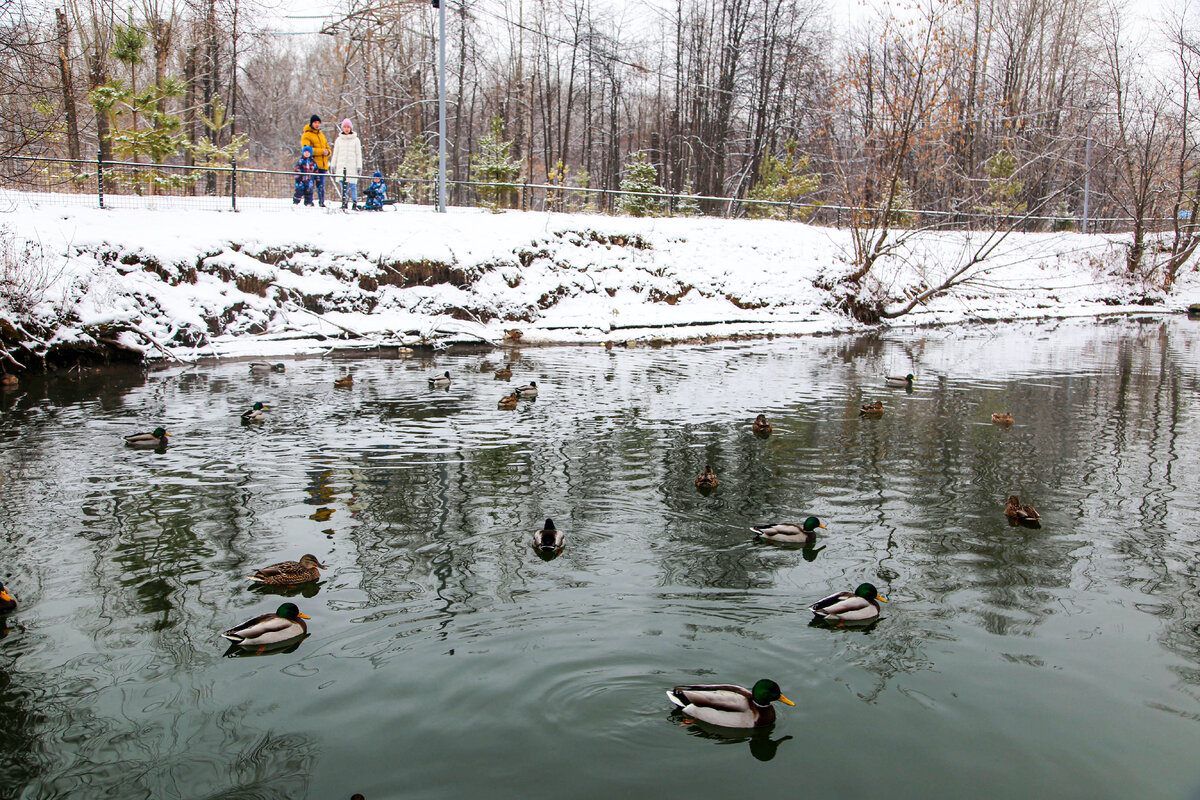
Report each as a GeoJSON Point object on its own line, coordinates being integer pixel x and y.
{"type": "Point", "coordinates": [290, 573]}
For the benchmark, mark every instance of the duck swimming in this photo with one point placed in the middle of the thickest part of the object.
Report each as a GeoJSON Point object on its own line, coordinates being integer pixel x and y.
{"type": "Point", "coordinates": [508, 402]}
{"type": "Point", "coordinates": [790, 532]}
{"type": "Point", "coordinates": [861, 605]}
{"type": "Point", "coordinates": [7, 601]}
{"type": "Point", "coordinates": [528, 392]}
{"type": "Point", "coordinates": [255, 413]}
{"type": "Point", "coordinates": [728, 705]}
{"type": "Point", "coordinates": [1002, 419]}
{"type": "Point", "coordinates": [440, 381]}
{"type": "Point", "coordinates": [761, 426]}
{"type": "Point", "coordinates": [549, 537]}
{"type": "Point", "coordinates": [290, 573]}
{"type": "Point", "coordinates": [263, 367]}
{"type": "Point", "coordinates": [1019, 513]}
{"type": "Point", "coordinates": [270, 629]}
{"type": "Point", "coordinates": [894, 380]}
{"type": "Point", "coordinates": [872, 409]}
{"type": "Point", "coordinates": [156, 438]}
{"type": "Point", "coordinates": [707, 480]}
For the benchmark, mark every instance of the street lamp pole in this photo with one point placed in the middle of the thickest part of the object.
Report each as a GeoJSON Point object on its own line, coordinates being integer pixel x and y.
{"type": "Point", "coordinates": [440, 5]}
{"type": "Point", "coordinates": [1087, 164]}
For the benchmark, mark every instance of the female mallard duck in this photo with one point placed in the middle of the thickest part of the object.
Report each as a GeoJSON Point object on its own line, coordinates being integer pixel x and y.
{"type": "Point", "coordinates": [263, 367]}
{"type": "Point", "coordinates": [761, 426]}
{"type": "Point", "coordinates": [895, 380]}
{"type": "Point", "coordinates": [860, 606]}
{"type": "Point", "coordinates": [255, 413]}
{"type": "Point", "coordinates": [344, 382]}
{"type": "Point", "coordinates": [7, 601]}
{"type": "Point", "coordinates": [440, 381]}
{"type": "Point", "coordinates": [1020, 513]}
{"type": "Point", "coordinates": [290, 573]}
{"type": "Point", "coordinates": [707, 480]}
{"type": "Point", "coordinates": [508, 402]}
{"type": "Point", "coordinates": [872, 409]}
{"type": "Point", "coordinates": [156, 438]}
{"type": "Point", "coordinates": [504, 373]}
{"type": "Point", "coordinates": [790, 532]}
{"type": "Point", "coordinates": [728, 705]}
{"type": "Point", "coordinates": [513, 335]}
{"type": "Point", "coordinates": [527, 392]}
{"type": "Point", "coordinates": [9, 381]}
{"type": "Point", "coordinates": [1002, 419]}
{"type": "Point", "coordinates": [548, 538]}
{"type": "Point", "coordinates": [270, 629]}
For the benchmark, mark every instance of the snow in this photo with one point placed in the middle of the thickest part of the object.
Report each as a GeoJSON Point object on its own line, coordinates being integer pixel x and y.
{"type": "Point", "coordinates": [273, 282]}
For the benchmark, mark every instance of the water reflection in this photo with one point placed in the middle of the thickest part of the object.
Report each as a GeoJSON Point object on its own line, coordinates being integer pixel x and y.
{"type": "Point", "coordinates": [762, 746]}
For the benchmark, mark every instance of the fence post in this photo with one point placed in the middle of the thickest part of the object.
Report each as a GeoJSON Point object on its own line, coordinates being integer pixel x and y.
{"type": "Point", "coordinates": [839, 217]}
{"type": "Point", "coordinates": [524, 196]}
{"type": "Point", "coordinates": [344, 189]}
{"type": "Point", "coordinates": [100, 177]}
{"type": "Point", "coordinates": [233, 183]}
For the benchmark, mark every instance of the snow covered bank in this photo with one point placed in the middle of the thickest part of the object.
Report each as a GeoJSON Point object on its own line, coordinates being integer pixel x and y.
{"type": "Point", "coordinates": [188, 284]}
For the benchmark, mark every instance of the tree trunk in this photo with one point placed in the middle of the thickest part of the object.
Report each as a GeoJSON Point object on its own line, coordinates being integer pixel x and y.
{"type": "Point", "coordinates": [68, 85]}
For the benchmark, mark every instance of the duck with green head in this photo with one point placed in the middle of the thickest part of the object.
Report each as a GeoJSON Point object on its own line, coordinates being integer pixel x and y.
{"type": "Point", "coordinates": [156, 438]}
{"type": "Point", "coordinates": [790, 532]}
{"type": "Point", "coordinates": [528, 392]}
{"type": "Point", "coordinates": [264, 367]}
{"type": "Point", "coordinates": [729, 705]}
{"type": "Point", "coordinates": [861, 605]}
{"type": "Point", "coordinates": [255, 413]}
{"type": "Point", "coordinates": [267, 630]}
{"type": "Point", "coordinates": [895, 380]}
{"type": "Point", "coordinates": [440, 381]}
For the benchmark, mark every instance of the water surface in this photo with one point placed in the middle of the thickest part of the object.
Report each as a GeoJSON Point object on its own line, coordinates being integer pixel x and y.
{"type": "Point", "coordinates": [447, 660]}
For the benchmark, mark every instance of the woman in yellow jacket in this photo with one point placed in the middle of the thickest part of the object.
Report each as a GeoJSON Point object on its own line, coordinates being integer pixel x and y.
{"type": "Point", "coordinates": [312, 137]}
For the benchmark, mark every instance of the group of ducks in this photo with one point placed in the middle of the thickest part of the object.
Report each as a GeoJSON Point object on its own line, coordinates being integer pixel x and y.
{"type": "Point", "coordinates": [726, 705]}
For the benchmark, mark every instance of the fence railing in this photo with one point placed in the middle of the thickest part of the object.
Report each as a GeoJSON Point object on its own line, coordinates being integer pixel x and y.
{"type": "Point", "coordinates": [129, 184]}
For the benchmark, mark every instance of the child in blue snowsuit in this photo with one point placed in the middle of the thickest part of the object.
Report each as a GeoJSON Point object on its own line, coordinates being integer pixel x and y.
{"type": "Point", "coordinates": [305, 170]}
{"type": "Point", "coordinates": [376, 193]}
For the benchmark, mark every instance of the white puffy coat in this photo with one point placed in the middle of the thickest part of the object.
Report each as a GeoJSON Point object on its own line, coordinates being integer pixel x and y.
{"type": "Point", "coordinates": [347, 154]}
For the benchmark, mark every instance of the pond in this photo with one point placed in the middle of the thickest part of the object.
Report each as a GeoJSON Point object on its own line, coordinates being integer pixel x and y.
{"type": "Point", "coordinates": [446, 659]}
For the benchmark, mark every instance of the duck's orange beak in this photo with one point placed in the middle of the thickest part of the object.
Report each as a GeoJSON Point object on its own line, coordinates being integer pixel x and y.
{"type": "Point", "coordinates": [823, 527]}
{"type": "Point", "coordinates": [321, 567]}
{"type": "Point", "coordinates": [881, 598]}
{"type": "Point", "coordinates": [304, 616]}
{"type": "Point", "coordinates": [783, 699]}
{"type": "Point", "coordinates": [5, 596]}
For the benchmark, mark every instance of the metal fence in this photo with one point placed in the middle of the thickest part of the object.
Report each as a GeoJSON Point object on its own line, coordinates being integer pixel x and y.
{"type": "Point", "coordinates": [127, 184]}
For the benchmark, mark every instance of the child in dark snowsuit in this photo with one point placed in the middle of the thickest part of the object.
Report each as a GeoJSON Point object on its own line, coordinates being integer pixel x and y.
{"type": "Point", "coordinates": [305, 169]}
{"type": "Point", "coordinates": [376, 193]}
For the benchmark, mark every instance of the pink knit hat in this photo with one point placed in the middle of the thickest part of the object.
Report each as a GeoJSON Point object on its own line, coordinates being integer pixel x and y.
{"type": "Point", "coordinates": [346, 122]}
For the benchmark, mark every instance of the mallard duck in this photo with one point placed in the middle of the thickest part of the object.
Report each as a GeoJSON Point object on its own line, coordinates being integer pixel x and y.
{"type": "Point", "coordinates": [344, 382]}
{"type": "Point", "coordinates": [527, 392]}
{"type": "Point", "coordinates": [263, 367]}
{"type": "Point", "coordinates": [1020, 513]}
{"type": "Point", "coordinates": [1002, 419]}
{"type": "Point", "coordinates": [508, 402]}
{"type": "Point", "coordinates": [440, 381]}
{"type": "Point", "coordinates": [761, 426]}
{"type": "Point", "coordinates": [255, 413]}
{"type": "Point", "coordinates": [504, 373]}
{"type": "Point", "coordinates": [895, 380]}
{"type": "Point", "coordinates": [707, 479]}
{"type": "Point", "coordinates": [290, 573]}
{"type": "Point", "coordinates": [513, 334]}
{"type": "Point", "coordinates": [9, 381]}
{"type": "Point", "coordinates": [155, 438]}
{"type": "Point", "coordinates": [548, 538]}
{"type": "Point", "coordinates": [790, 531]}
{"type": "Point", "coordinates": [728, 705]}
{"type": "Point", "coordinates": [860, 605]}
{"type": "Point", "coordinates": [7, 601]}
{"type": "Point", "coordinates": [270, 629]}
{"type": "Point", "coordinates": [872, 409]}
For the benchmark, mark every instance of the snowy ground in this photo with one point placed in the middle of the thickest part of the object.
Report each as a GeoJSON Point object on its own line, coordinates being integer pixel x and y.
{"type": "Point", "coordinates": [196, 283]}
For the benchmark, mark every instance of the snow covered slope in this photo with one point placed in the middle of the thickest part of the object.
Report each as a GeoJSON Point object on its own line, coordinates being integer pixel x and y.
{"type": "Point", "coordinates": [201, 283]}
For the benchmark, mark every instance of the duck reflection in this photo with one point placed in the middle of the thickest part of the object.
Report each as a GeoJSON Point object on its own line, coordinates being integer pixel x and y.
{"type": "Point", "coordinates": [281, 648]}
{"type": "Point", "coordinates": [309, 589]}
{"type": "Point", "coordinates": [762, 746]}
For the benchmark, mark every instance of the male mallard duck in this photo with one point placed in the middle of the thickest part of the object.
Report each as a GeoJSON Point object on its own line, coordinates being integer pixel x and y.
{"type": "Point", "coordinates": [255, 413]}
{"type": "Point", "coordinates": [263, 367]}
{"type": "Point", "coordinates": [344, 382]}
{"type": "Point", "coordinates": [290, 573]}
{"type": "Point", "coordinates": [1020, 513]}
{"type": "Point", "coordinates": [528, 391]}
{"type": "Point", "coordinates": [860, 606]}
{"type": "Point", "coordinates": [7, 601]}
{"type": "Point", "coordinates": [791, 532]}
{"type": "Point", "coordinates": [508, 402]}
{"type": "Point", "coordinates": [1002, 419]}
{"type": "Point", "coordinates": [504, 373]}
{"type": "Point", "coordinates": [728, 705]}
{"type": "Point", "coordinates": [895, 380]}
{"type": "Point", "coordinates": [269, 629]}
{"type": "Point", "coordinates": [548, 538]}
{"type": "Point", "coordinates": [761, 426]}
{"type": "Point", "coordinates": [440, 381]}
{"type": "Point", "coordinates": [156, 438]}
{"type": "Point", "coordinates": [872, 409]}
{"type": "Point", "coordinates": [707, 479]}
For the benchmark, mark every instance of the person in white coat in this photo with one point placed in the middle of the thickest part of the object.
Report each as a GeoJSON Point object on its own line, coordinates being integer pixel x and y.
{"type": "Point", "coordinates": [347, 156]}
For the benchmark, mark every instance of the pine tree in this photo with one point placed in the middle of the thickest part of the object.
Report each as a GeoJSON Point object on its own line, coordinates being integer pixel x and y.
{"type": "Point", "coordinates": [495, 166]}
{"type": "Point", "coordinates": [688, 205]}
{"type": "Point", "coordinates": [786, 181]}
{"type": "Point", "coordinates": [418, 171]}
{"type": "Point", "coordinates": [1003, 187]}
{"type": "Point", "coordinates": [640, 176]}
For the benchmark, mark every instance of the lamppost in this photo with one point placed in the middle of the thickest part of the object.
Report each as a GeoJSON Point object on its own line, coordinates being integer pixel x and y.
{"type": "Point", "coordinates": [1087, 162]}
{"type": "Point", "coordinates": [441, 187]}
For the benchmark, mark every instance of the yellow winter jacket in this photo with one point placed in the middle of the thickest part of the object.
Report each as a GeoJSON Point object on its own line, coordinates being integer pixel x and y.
{"type": "Point", "coordinates": [317, 141]}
